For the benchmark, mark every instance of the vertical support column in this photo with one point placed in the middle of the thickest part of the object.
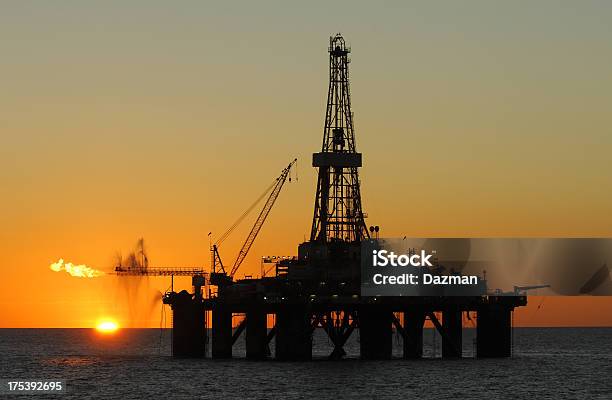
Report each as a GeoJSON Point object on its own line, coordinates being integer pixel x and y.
{"type": "Point", "coordinates": [221, 332]}
{"type": "Point", "coordinates": [494, 331]}
{"type": "Point", "coordinates": [375, 334]}
{"type": "Point", "coordinates": [256, 334]}
{"type": "Point", "coordinates": [414, 319]}
{"type": "Point", "coordinates": [451, 322]}
{"type": "Point", "coordinates": [188, 326]}
{"type": "Point", "coordinates": [293, 333]}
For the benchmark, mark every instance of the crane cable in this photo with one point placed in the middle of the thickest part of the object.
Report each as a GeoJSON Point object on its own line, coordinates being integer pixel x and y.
{"type": "Point", "coordinates": [244, 214]}
{"type": "Point", "coordinates": [263, 215]}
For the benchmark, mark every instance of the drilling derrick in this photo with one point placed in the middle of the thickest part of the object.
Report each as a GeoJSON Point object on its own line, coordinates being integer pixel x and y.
{"type": "Point", "coordinates": [333, 252]}
{"type": "Point", "coordinates": [337, 213]}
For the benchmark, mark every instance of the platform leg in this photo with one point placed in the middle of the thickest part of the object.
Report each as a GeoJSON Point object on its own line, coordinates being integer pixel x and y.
{"type": "Point", "coordinates": [293, 334]}
{"type": "Point", "coordinates": [451, 322]}
{"type": "Point", "coordinates": [221, 332]}
{"type": "Point", "coordinates": [375, 333]}
{"type": "Point", "coordinates": [256, 334]}
{"type": "Point", "coordinates": [188, 328]}
{"type": "Point", "coordinates": [494, 331]}
{"type": "Point", "coordinates": [414, 319]}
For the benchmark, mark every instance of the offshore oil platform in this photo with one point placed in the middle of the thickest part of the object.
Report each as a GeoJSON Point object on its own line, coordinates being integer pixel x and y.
{"type": "Point", "coordinates": [320, 287]}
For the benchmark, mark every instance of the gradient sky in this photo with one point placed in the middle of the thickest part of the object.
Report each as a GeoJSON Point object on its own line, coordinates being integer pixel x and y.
{"type": "Point", "coordinates": [122, 119]}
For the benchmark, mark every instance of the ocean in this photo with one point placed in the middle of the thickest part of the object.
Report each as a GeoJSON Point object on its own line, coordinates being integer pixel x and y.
{"type": "Point", "coordinates": [548, 363]}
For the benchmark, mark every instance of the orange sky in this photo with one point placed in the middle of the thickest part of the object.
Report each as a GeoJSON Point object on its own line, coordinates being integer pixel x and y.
{"type": "Point", "coordinates": [121, 121]}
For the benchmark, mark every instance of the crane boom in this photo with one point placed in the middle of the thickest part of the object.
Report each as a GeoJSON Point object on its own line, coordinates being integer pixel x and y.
{"type": "Point", "coordinates": [280, 181]}
{"type": "Point", "coordinates": [523, 289]}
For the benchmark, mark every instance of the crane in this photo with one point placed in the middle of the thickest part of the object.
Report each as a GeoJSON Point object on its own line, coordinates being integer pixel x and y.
{"type": "Point", "coordinates": [218, 274]}
{"type": "Point", "coordinates": [522, 290]}
{"type": "Point", "coordinates": [137, 262]}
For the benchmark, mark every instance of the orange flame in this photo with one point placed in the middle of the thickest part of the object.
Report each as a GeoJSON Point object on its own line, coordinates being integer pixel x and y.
{"type": "Point", "coordinates": [80, 271]}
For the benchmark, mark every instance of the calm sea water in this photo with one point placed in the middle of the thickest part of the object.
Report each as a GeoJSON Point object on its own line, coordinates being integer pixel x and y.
{"type": "Point", "coordinates": [136, 363]}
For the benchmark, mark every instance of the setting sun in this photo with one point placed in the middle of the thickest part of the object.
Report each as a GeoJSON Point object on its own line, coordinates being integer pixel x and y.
{"type": "Point", "coordinates": [107, 326]}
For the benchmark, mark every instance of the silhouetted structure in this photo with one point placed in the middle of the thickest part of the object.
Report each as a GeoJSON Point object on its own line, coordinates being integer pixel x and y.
{"type": "Point", "coordinates": [320, 288]}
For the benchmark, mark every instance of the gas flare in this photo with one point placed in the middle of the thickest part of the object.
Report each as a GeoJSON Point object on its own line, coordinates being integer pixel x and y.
{"type": "Point", "coordinates": [80, 271]}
